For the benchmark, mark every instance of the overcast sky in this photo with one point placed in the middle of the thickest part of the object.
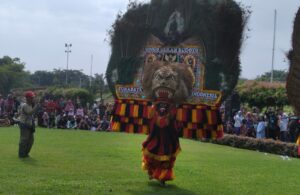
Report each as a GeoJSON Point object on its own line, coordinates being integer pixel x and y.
{"type": "Point", "coordinates": [36, 31]}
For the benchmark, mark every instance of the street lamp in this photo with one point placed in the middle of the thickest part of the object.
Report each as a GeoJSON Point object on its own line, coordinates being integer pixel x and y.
{"type": "Point", "coordinates": [68, 50]}
{"type": "Point", "coordinates": [80, 79]}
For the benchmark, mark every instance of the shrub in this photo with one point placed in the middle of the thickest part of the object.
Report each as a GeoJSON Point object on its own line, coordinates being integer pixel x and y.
{"type": "Point", "coordinates": [262, 145]}
{"type": "Point", "coordinates": [261, 94]}
{"type": "Point", "coordinates": [72, 93]}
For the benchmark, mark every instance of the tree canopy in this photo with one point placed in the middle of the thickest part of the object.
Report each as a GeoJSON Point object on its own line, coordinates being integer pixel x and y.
{"type": "Point", "coordinates": [278, 75]}
{"type": "Point", "coordinates": [262, 94]}
{"type": "Point", "coordinates": [12, 74]}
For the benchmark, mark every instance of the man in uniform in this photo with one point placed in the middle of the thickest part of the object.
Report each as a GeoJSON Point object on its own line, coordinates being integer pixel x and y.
{"type": "Point", "coordinates": [27, 126]}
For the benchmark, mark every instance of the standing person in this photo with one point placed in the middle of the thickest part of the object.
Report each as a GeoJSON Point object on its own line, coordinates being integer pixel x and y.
{"type": "Point", "coordinates": [102, 109]}
{"type": "Point", "coordinates": [250, 132]}
{"type": "Point", "coordinates": [238, 118]}
{"type": "Point", "coordinates": [261, 128]}
{"type": "Point", "coordinates": [273, 130]}
{"type": "Point", "coordinates": [1, 105]}
{"type": "Point", "coordinates": [27, 126]}
{"type": "Point", "coordinates": [283, 125]}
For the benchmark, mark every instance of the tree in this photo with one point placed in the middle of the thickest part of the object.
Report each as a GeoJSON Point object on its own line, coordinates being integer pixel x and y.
{"type": "Point", "coordinates": [71, 93]}
{"type": "Point", "coordinates": [99, 84]}
{"type": "Point", "coordinates": [262, 94]}
{"type": "Point", "coordinates": [293, 81]}
{"type": "Point", "coordinates": [278, 75]}
{"type": "Point", "coordinates": [12, 74]}
{"type": "Point", "coordinates": [42, 78]}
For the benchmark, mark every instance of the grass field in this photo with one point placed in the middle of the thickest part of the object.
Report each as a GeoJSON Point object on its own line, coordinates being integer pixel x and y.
{"type": "Point", "coordinates": [83, 162]}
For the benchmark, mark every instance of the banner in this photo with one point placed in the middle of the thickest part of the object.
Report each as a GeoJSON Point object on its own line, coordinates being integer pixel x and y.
{"type": "Point", "coordinates": [193, 55]}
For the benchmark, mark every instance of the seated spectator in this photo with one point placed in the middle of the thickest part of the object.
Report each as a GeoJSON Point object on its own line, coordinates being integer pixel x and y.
{"type": "Point", "coordinates": [98, 121]}
{"type": "Point", "coordinates": [62, 121]}
{"type": "Point", "coordinates": [8, 105]}
{"type": "Point", "coordinates": [71, 113]}
{"type": "Point", "coordinates": [45, 118]}
{"type": "Point", "coordinates": [79, 111]}
{"type": "Point", "coordinates": [4, 122]}
{"type": "Point", "coordinates": [69, 109]}
{"type": "Point", "coordinates": [57, 119]}
{"type": "Point", "coordinates": [94, 123]}
{"type": "Point", "coordinates": [84, 123]}
{"type": "Point", "coordinates": [71, 123]}
{"type": "Point", "coordinates": [104, 125]}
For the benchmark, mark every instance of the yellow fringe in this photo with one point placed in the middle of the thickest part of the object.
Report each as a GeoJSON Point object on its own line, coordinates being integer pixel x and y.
{"type": "Point", "coordinates": [123, 109]}
{"type": "Point", "coordinates": [160, 157]}
{"type": "Point", "coordinates": [298, 140]}
{"type": "Point", "coordinates": [116, 126]}
{"type": "Point", "coordinates": [135, 111]}
{"type": "Point", "coordinates": [209, 119]}
{"type": "Point", "coordinates": [163, 174]}
{"type": "Point", "coordinates": [194, 116]}
{"type": "Point", "coordinates": [179, 114]}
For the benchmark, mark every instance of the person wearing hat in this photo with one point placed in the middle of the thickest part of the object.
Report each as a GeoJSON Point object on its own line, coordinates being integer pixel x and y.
{"type": "Point", "coordinates": [27, 126]}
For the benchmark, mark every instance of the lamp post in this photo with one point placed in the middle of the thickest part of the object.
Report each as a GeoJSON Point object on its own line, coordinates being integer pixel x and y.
{"type": "Point", "coordinates": [68, 50]}
{"type": "Point", "coordinates": [91, 71]}
{"type": "Point", "coordinates": [273, 50]}
{"type": "Point", "coordinates": [80, 79]}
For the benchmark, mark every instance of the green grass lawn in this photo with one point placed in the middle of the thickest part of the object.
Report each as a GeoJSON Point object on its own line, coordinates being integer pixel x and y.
{"type": "Point", "coordinates": [83, 162]}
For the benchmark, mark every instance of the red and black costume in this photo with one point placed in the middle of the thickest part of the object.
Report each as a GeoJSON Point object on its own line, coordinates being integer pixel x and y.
{"type": "Point", "coordinates": [162, 144]}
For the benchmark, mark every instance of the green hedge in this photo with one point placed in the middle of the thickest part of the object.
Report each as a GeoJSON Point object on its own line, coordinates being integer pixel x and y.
{"type": "Point", "coordinates": [261, 145]}
{"type": "Point", "coordinates": [261, 94]}
{"type": "Point", "coordinates": [72, 93]}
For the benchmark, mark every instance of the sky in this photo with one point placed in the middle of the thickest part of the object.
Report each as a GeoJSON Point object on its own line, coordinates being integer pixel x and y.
{"type": "Point", "coordinates": [36, 31]}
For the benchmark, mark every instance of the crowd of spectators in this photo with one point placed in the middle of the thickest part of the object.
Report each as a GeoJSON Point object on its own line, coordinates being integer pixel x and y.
{"type": "Point", "coordinates": [69, 114]}
{"type": "Point", "coordinates": [8, 110]}
{"type": "Point", "coordinates": [273, 124]}
{"type": "Point", "coordinates": [60, 113]}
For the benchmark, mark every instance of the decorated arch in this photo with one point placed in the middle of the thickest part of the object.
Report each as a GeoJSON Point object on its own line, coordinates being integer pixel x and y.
{"type": "Point", "coordinates": [205, 35]}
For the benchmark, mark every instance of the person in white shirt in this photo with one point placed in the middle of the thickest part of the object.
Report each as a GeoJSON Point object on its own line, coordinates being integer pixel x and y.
{"type": "Point", "coordinates": [261, 128]}
{"type": "Point", "coordinates": [283, 125]}
{"type": "Point", "coordinates": [238, 118]}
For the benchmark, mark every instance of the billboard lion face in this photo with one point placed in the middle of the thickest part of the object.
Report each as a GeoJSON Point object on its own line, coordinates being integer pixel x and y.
{"type": "Point", "coordinates": [168, 80]}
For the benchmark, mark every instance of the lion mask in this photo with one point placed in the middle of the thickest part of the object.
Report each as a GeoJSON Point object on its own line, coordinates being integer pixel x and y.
{"type": "Point", "coordinates": [172, 81]}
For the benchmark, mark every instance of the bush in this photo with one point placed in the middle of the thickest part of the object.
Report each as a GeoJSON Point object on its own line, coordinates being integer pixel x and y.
{"type": "Point", "coordinates": [261, 94]}
{"type": "Point", "coordinates": [72, 93]}
{"type": "Point", "coordinates": [262, 145]}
